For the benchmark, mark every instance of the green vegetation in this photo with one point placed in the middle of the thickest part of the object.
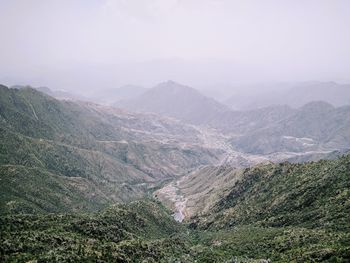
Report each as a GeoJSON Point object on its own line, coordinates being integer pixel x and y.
{"type": "Point", "coordinates": [312, 195]}
{"type": "Point", "coordinates": [121, 233]}
{"type": "Point", "coordinates": [278, 212]}
{"type": "Point", "coordinates": [144, 232]}
{"type": "Point", "coordinates": [64, 156]}
{"type": "Point", "coordinates": [66, 168]}
{"type": "Point", "coordinates": [285, 212]}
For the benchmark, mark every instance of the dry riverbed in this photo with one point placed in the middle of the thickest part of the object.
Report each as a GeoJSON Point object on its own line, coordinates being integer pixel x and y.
{"type": "Point", "coordinates": [171, 197]}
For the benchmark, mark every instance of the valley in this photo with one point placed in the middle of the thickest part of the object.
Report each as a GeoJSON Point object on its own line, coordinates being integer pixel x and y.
{"type": "Point", "coordinates": [173, 131]}
{"type": "Point", "coordinates": [94, 183]}
{"type": "Point", "coordinates": [173, 198]}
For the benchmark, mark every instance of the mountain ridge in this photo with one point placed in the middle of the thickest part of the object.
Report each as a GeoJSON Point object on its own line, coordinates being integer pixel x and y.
{"type": "Point", "coordinates": [113, 152]}
{"type": "Point", "coordinates": [178, 101]}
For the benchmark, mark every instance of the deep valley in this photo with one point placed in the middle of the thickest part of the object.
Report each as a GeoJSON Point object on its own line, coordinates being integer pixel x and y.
{"type": "Point", "coordinates": [84, 182]}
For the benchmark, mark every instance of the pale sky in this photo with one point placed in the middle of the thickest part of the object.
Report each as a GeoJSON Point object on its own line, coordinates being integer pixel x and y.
{"type": "Point", "coordinates": [91, 44]}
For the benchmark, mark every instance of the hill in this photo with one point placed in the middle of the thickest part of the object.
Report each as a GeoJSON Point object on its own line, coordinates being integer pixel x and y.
{"type": "Point", "coordinates": [273, 212]}
{"type": "Point", "coordinates": [96, 154]}
{"type": "Point", "coordinates": [311, 195]}
{"type": "Point", "coordinates": [282, 212]}
{"type": "Point", "coordinates": [177, 101]}
{"type": "Point", "coordinates": [120, 233]}
{"type": "Point", "coordinates": [317, 126]}
{"type": "Point", "coordinates": [313, 129]}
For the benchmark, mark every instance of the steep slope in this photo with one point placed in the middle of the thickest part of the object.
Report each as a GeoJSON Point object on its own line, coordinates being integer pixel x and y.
{"type": "Point", "coordinates": [282, 212]}
{"type": "Point", "coordinates": [115, 156]}
{"type": "Point", "coordinates": [178, 101]}
{"type": "Point", "coordinates": [311, 195]}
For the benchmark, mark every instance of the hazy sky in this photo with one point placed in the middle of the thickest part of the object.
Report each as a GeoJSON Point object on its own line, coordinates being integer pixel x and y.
{"type": "Point", "coordinates": [84, 44]}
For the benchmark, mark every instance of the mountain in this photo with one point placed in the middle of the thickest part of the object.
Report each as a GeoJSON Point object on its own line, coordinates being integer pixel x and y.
{"type": "Point", "coordinates": [268, 213]}
{"type": "Point", "coordinates": [92, 183]}
{"type": "Point", "coordinates": [277, 132]}
{"type": "Point", "coordinates": [310, 195]}
{"type": "Point", "coordinates": [111, 96]}
{"type": "Point", "coordinates": [317, 126]}
{"type": "Point", "coordinates": [293, 95]}
{"type": "Point", "coordinates": [272, 194]}
{"type": "Point", "coordinates": [87, 155]}
{"type": "Point", "coordinates": [283, 212]}
{"type": "Point", "coordinates": [177, 101]}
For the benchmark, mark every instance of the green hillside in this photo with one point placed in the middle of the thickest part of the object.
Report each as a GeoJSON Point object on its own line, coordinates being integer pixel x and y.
{"type": "Point", "coordinates": [70, 173]}
{"type": "Point", "coordinates": [314, 195]}
{"type": "Point", "coordinates": [285, 212]}
{"type": "Point", "coordinates": [121, 233]}
{"type": "Point", "coordinates": [95, 154]}
{"type": "Point", "coordinates": [277, 212]}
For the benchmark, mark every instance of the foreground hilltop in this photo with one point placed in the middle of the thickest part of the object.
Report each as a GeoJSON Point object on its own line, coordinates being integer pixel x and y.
{"type": "Point", "coordinates": [269, 213]}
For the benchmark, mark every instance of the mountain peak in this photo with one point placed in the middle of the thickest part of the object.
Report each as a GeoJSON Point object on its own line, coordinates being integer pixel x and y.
{"type": "Point", "coordinates": [178, 101]}
{"type": "Point", "coordinates": [172, 84]}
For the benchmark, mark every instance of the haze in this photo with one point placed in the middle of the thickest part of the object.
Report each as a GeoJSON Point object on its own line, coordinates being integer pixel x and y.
{"type": "Point", "coordinates": [85, 46]}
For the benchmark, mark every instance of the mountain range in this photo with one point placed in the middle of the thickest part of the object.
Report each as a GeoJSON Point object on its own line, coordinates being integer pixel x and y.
{"type": "Point", "coordinates": [87, 153]}
{"type": "Point", "coordinates": [315, 126]}
{"type": "Point", "coordinates": [292, 94]}
{"type": "Point", "coordinates": [171, 176]}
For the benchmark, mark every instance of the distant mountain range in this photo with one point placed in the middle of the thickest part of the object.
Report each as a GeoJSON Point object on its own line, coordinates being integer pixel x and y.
{"type": "Point", "coordinates": [316, 126]}
{"type": "Point", "coordinates": [293, 95]}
